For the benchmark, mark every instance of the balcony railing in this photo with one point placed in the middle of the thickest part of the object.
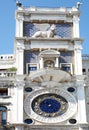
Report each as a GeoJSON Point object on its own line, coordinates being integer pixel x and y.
{"type": "Point", "coordinates": [85, 57]}
{"type": "Point", "coordinates": [7, 73]}
{"type": "Point", "coordinates": [6, 57]}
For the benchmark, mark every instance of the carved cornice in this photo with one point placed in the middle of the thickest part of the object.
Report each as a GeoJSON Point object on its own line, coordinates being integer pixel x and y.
{"type": "Point", "coordinates": [49, 39]}
{"type": "Point", "coordinates": [39, 11]}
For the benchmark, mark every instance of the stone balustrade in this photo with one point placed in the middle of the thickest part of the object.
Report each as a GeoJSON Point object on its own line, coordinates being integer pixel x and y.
{"type": "Point", "coordinates": [7, 73]}
{"type": "Point", "coordinates": [7, 57]}
{"type": "Point", "coordinates": [85, 57]}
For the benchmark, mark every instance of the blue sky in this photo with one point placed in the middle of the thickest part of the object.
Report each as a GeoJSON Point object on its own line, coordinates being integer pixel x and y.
{"type": "Point", "coordinates": [7, 20]}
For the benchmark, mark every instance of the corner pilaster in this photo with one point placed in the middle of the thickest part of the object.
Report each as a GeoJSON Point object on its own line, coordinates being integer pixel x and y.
{"type": "Point", "coordinates": [76, 26]}
{"type": "Point", "coordinates": [81, 100]}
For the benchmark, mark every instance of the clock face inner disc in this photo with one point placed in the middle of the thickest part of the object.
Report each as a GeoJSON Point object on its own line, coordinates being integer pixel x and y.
{"type": "Point", "coordinates": [49, 105]}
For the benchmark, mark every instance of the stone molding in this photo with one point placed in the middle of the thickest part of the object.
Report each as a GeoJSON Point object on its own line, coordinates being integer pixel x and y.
{"type": "Point", "coordinates": [6, 84]}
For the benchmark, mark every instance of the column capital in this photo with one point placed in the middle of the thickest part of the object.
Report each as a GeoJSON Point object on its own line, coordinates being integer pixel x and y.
{"type": "Point", "coordinates": [80, 80]}
{"type": "Point", "coordinates": [83, 126]}
{"type": "Point", "coordinates": [19, 17]}
{"type": "Point", "coordinates": [80, 77]}
{"type": "Point", "coordinates": [78, 49]}
{"type": "Point", "coordinates": [77, 46]}
{"type": "Point", "coordinates": [19, 81]}
{"type": "Point", "coordinates": [76, 19]}
{"type": "Point", "coordinates": [20, 48]}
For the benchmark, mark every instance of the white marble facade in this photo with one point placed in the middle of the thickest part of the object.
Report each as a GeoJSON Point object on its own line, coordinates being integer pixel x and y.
{"type": "Point", "coordinates": [48, 89]}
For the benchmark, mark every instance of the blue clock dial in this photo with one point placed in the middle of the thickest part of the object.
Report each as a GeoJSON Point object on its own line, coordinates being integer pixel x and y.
{"type": "Point", "coordinates": [49, 105]}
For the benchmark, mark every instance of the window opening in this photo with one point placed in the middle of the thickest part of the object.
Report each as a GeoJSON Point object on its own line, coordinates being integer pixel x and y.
{"type": "Point", "coordinates": [3, 114]}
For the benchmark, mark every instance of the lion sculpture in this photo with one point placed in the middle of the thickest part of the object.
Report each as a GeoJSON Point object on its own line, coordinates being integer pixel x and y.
{"type": "Point", "coordinates": [45, 34]}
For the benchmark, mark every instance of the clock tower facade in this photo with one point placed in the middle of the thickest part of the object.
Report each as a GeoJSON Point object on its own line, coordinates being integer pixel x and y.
{"type": "Point", "coordinates": [50, 88]}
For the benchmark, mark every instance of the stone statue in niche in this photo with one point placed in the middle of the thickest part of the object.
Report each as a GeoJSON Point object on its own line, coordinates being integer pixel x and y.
{"type": "Point", "coordinates": [49, 64]}
{"type": "Point", "coordinates": [45, 34]}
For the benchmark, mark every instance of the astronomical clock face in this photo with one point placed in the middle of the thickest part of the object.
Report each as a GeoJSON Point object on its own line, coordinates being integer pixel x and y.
{"type": "Point", "coordinates": [49, 105]}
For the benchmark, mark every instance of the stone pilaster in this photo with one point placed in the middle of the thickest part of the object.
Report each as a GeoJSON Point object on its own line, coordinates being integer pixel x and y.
{"type": "Point", "coordinates": [81, 100]}
{"type": "Point", "coordinates": [18, 104]}
{"type": "Point", "coordinates": [19, 25]}
{"type": "Point", "coordinates": [77, 59]}
{"type": "Point", "coordinates": [76, 26]}
{"type": "Point", "coordinates": [20, 59]}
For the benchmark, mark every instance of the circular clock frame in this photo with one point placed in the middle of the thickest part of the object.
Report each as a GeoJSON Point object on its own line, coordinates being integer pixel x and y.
{"type": "Point", "coordinates": [49, 105]}
{"type": "Point", "coordinates": [69, 111]}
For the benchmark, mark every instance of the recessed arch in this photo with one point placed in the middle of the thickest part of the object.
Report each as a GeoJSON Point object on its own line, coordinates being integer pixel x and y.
{"type": "Point", "coordinates": [49, 52]}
